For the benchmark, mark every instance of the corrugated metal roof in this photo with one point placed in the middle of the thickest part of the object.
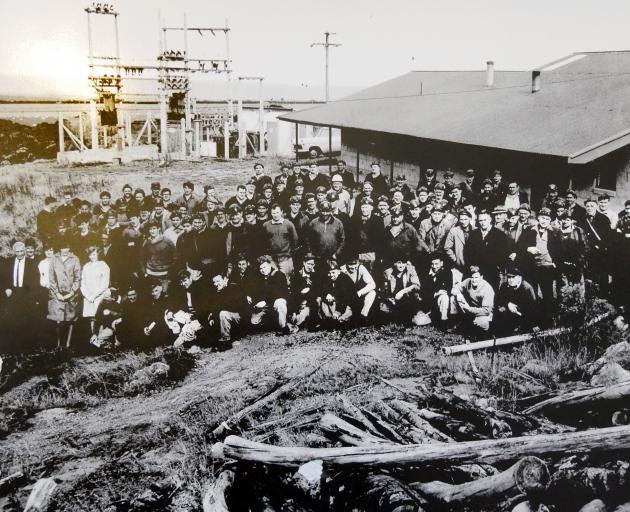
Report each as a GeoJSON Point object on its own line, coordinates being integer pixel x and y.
{"type": "Point", "coordinates": [583, 102]}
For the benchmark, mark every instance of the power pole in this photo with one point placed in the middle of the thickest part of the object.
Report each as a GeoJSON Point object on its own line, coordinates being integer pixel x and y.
{"type": "Point", "coordinates": [327, 45]}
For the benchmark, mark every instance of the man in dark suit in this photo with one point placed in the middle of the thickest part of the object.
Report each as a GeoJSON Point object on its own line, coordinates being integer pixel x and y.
{"type": "Point", "coordinates": [488, 248]}
{"type": "Point", "coordinates": [598, 235]}
{"type": "Point", "coordinates": [20, 283]}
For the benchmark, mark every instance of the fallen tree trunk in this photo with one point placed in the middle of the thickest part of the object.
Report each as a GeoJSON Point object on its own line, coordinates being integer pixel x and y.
{"type": "Point", "coordinates": [410, 413]}
{"type": "Point", "coordinates": [583, 399]}
{"type": "Point", "coordinates": [593, 442]}
{"type": "Point", "coordinates": [214, 498]}
{"type": "Point", "coordinates": [261, 402]}
{"type": "Point", "coordinates": [528, 476]}
{"type": "Point", "coordinates": [388, 431]}
{"type": "Point", "coordinates": [519, 338]}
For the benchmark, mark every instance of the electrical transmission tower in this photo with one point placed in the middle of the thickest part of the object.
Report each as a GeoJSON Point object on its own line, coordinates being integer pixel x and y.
{"type": "Point", "coordinates": [327, 45]}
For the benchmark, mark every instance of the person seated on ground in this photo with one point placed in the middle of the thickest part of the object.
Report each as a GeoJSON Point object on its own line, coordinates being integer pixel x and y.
{"type": "Point", "coordinates": [472, 303]}
{"type": "Point", "coordinates": [129, 327]}
{"type": "Point", "coordinates": [302, 304]}
{"type": "Point", "coordinates": [228, 308]}
{"type": "Point", "coordinates": [155, 330]}
{"type": "Point", "coordinates": [335, 298]}
{"type": "Point", "coordinates": [516, 305]}
{"type": "Point", "coordinates": [107, 313]}
{"type": "Point", "coordinates": [437, 282]}
{"type": "Point", "coordinates": [267, 297]}
{"type": "Point", "coordinates": [364, 288]}
{"type": "Point", "coordinates": [401, 293]}
{"type": "Point", "coordinates": [191, 294]}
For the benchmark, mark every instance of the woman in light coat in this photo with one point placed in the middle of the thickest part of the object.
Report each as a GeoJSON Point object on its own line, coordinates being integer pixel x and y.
{"type": "Point", "coordinates": [64, 284]}
{"type": "Point", "coordinates": [94, 283]}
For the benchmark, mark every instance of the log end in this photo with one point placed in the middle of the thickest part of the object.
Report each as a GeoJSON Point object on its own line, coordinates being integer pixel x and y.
{"type": "Point", "coordinates": [531, 476]}
{"type": "Point", "coordinates": [217, 451]}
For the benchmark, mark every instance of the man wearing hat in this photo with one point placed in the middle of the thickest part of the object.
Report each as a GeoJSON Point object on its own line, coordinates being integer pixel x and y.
{"type": "Point", "coordinates": [401, 241]}
{"type": "Point", "coordinates": [469, 185]}
{"type": "Point", "coordinates": [572, 250]}
{"type": "Point", "coordinates": [598, 234]}
{"type": "Point", "coordinates": [235, 236]}
{"type": "Point", "coordinates": [539, 251]}
{"type": "Point", "coordinates": [314, 179]}
{"type": "Point", "coordinates": [550, 196]}
{"type": "Point", "coordinates": [427, 180]}
{"type": "Point", "coordinates": [455, 243]}
{"type": "Point", "coordinates": [433, 230]}
{"type": "Point", "coordinates": [343, 196]}
{"type": "Point", "coordinates": [499, 217]}
{"type": "Point", "coordinates": [378, 181]}
{"type": "Point", "coordinates": [516, 308]}
{"type": "Point", "coordinates": [498, 186]}
{"type": "Point", "coordinates": [325, 235]}
{"type": "Point", "coordinates": [366, 234]}
{"type": "Point", "coordinates": [449, 183]}
{"type": "Point", "coordinates": [401, 185]}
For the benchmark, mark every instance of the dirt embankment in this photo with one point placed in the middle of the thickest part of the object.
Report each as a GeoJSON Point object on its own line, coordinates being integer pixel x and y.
{"type": "Point", "coordinates": [20, 143]}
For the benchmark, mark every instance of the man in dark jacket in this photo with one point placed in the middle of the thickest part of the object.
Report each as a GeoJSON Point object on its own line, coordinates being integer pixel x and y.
{"type": "Point", "coordinates": [227, 307]}
{"type": "Point", "coordinates": [539, 253]}
{"type": "Point", "coordinates": [325, 235]}
{"type": "Point", "coordinates": [598, 235]}
{"type": "Point", "coordinates": [335, 298]}
{"type": "Point", "coordinates": [401, 241]}
{"type": "Point", "coordinates": [515, 305]}
{"type": "Point", "coordinates": [366, 234]}
{"type": "Point", "coordinates": [268, 296]}
{"type": "Point", "coordinates": [378, 181]}
{"type": "Point", "coordinates": [487, 248]}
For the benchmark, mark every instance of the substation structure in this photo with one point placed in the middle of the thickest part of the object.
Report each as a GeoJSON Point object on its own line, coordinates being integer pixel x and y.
{"type": "Point", "coordinates": [167, 123]}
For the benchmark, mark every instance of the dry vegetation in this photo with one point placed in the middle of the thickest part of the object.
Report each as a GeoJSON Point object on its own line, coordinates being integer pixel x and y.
{"type": "Point", "coordinates": [117, 436]}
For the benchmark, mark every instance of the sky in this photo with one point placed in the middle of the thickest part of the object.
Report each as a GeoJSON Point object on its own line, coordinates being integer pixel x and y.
{"type": "Point", "coordinates": [44, 44]}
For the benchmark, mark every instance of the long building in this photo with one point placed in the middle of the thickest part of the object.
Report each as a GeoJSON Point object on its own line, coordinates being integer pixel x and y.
{"type": "Point", "coordinates": [567, 122]}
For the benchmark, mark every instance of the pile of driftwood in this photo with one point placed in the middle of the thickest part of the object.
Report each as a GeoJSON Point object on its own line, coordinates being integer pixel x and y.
{"type": "Point", "coordinates": [430, 450]}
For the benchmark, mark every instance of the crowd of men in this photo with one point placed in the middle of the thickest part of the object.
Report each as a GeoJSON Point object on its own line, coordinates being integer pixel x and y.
{"type": "Point", "coordinates": [309, 250]}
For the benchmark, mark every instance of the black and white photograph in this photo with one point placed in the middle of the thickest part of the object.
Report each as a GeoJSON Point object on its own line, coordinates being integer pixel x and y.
{"type": "Point", "coordinates": [285, 256]}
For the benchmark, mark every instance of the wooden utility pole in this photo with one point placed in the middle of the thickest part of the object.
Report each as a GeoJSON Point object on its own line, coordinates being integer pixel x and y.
{"type": "Point", "coordinates": [327, 45]}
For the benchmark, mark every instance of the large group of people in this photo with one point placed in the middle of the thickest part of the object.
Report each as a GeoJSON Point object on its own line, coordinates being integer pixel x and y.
{"type": "Point", "coordinates": [308, 249]}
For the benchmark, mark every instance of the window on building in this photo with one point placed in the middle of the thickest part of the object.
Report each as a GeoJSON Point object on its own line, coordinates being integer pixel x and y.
{"type": "Point", "coordinates": [606, 179]}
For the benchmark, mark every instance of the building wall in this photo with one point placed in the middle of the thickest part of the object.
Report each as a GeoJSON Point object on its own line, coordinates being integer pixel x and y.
{"type": "Point", "coordinates": [408, 156]}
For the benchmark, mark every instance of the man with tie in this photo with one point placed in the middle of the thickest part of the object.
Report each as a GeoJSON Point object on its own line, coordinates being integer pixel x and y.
{"type": "Point", "coordinates": [20, 282]}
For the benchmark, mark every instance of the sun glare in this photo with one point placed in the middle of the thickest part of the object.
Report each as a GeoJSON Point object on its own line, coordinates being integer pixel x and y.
{"type": "Point", "coordinates": [59, 61]}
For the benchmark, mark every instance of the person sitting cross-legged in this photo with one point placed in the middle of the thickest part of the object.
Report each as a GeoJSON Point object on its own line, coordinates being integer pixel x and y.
{"type": "Point", "coordinates": [401, 293]}
{"type": "Point", "coordinates": [516, 305]}
{"type": "Point", "coordinates": [267, 296]}
{"type": "Point", "coordinates": [437, 283]}
{"type": "Point", "coordinates": [335, 297]}
{"type": "Point", "coordinates": [472, 303]}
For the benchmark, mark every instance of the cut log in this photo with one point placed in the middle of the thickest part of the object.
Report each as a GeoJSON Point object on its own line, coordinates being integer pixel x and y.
{"type": "Point", "coordinates": [594, 442]}
{"type": "Point", "coordinates": [594, 506]}
{"type": "Point", "coordinates": [412, 415]}
{"type": "Point", "coordinates": [340, 430]}
{"type": "Point", "coordinates": [519, 338]}
{"type": "Point", "coordinates": [387, 494]}
{"type": "Point", "coordinates": [357, 414]}
{"type": "Point", "coordinates": [298, 423]}
{"type": "Point", "coordinates": [583, 399]}
{"type": "Point", "coordinates": [214, 498]}
{"type": "Point", "coordinates": [388, 431]}
{"type": "Point", "coordinates": [40, 496]}
{"type": "Point", "coordinates": [528, 476]}
{"type": "Point", "coordinates": [284, 420]}
{"type": "Point", "coordinates": [261, 402]}
{"type": "Point", "coordinates": [9, 482]}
